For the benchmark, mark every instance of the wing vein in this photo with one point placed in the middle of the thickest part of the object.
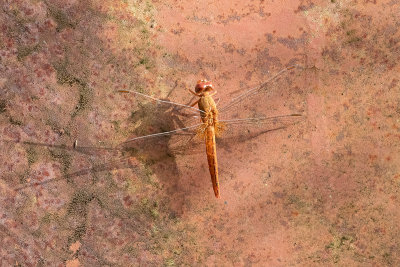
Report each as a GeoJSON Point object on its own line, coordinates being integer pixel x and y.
{"type": "Point", "coordinates": [159, 134]}
{"type": "Point", "coordinates": [255, 89]}
{"type": "Point", "coordinates": [255, 119]}
{"type": "Point", "coordinates": [193, 109]}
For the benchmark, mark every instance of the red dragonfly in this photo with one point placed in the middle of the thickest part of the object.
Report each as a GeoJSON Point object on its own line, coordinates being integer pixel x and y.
{"type": "Point", "coordinates": [243, 113]}
{"type": "Point", "coordinates": [244, 117]}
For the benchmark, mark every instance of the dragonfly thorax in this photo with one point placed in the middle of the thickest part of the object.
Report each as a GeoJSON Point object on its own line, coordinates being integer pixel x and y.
{"type": "Point", "coordinates": [209, 119]}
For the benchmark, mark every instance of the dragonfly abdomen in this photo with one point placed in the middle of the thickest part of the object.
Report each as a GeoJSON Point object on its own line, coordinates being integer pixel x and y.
{"type": "Point", "coordinates": [211, 151]}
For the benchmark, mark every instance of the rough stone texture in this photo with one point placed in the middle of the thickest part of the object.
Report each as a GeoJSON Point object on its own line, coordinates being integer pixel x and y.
{"type": "Point", "coordinates": [322, 192]}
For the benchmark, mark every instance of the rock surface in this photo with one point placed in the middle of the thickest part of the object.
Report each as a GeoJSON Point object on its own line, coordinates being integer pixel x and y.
{"type": "Point", "coordinates": [322, 192]}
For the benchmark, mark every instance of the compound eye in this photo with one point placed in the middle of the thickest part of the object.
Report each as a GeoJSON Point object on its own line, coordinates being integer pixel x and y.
{"type": "Point", "coordinates": [202, 85]}
{"type": "Point", "coordinates": [199, 87]}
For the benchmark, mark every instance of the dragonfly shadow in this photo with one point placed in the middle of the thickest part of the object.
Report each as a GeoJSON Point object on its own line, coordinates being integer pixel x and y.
{"type": "Point", "coordinates": [153, 155]}
{"type": "Point", "coordinates": [122, 162]}
{"type": "Point", "coordinates": [84, 192]}
{"type": "Point", "coordinates": [227, 143]}
{"type": "Point", "coordinates": [158, 153]}
{"type": "Point", "coordinates": [151, 117]}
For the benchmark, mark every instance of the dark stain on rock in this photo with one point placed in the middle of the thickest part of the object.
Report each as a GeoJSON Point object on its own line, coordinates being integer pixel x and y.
{"type": "Point", "coordinates": [332, 53]}
{"type": "Point", "coordinates": [203, 20]}
{"type": "Point", "coordinates": [392, 85]}
{"type": "Point", "coordinates": [229, 19]}
{"type": "Point", "coordinates": [228, 47]}
{"type": "Point", "coordinates": [304, 6]}
{"type": "Point", "coordinates": [270, 38]}
{"type": "Point", "coordinates": [265, 62]}
{"type": "Point", "coordinates": [279, 195]}
{"type": "Point", "coordinates": [294, 43]}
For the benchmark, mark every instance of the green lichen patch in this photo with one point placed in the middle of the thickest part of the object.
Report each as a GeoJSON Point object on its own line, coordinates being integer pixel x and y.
{"type": "Point", "coordinates": [352, 37]}
{"type": "Point", "coordinates": [24, 51]}
{"type": "Point", "coordinates": [78, 210]}
{"type": "Point", "coordinates": [146, 62]}
{"type": "Point", "coordinates": [150, 208]}
{"type": "Point", "coordinates": [79, 232]}
{"type": "Point", "coordinates": [3, 106]}
{"type": "Point", "coordinates": [31, 155]}
{"type": "Point", "coordinates": [117, 125]}
{"type": "Point", "coordinates": [65, 77]}
{"type": "Point", "coordinates": [85, 96]}
{"type": "Point", "coordinates": [130, 250]}
{"type": "Point", "coordinates": [143, 55]}
{"type": "Point", "coordinates": [23, 178]}
{"type": "Point", "coordinates": [148, 176]}
{"type": "Point", "coordinates": [63, 157]}
{"type": "Point", "coordinates": [15, 121]}
{"type": "Point", "coordinates": [340, 242]}
{"type": "Point", "coordinates": [55, 127]}
{"type": "Point", "coordinates": [62, 74]}
{"type": "Point", "coordinates": [170, 262]}
{"type": "Point", "coordinates": [339, 245]}
{"type": "Point", "coordinates": [79, 202]}
{"type": "Point", "coordinates": [49, 217]}
{"type": "Point", "coordinates": [388, 258]}
{"type": "Point", "coordinates": [63, 21]}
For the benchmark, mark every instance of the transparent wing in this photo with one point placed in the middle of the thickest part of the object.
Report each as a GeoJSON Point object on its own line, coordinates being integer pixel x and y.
{"type": "Point", "coordinates": [268, 97]}
{"type": "Point", "coordinates": [258, 101]}
{"type": "Point", "coordinates": [186, 140]}
{"type": "Point", "coordinates": [161, 145]}
{"type": "Point", "coordinates": [158, 147]}
{"type": "Point", "coordinates": [242, 130]}
{"type": "Point", "coordinates": [162, 109]}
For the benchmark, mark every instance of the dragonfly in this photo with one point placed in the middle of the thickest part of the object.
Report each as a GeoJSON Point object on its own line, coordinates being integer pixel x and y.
{"type": "Point", "coordinates": [243, 118]}
{"type": "Point", "coordinates": [235, 120]}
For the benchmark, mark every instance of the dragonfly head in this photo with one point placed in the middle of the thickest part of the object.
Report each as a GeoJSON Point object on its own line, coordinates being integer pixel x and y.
{"type": "Point", "coordinates": [203, 86]}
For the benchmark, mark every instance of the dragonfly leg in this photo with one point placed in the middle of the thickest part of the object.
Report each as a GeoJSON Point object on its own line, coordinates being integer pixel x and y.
{"type": "Point", "coordinates": [213, 93]}
{"type": "Point", "coordinates": [198, 95]}
{"type": "Point", "coordinates": [192, 105]}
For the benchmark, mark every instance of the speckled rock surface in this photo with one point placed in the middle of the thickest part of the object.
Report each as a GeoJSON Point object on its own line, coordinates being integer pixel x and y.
{"type": "Point", "coordinates": [321, 192]}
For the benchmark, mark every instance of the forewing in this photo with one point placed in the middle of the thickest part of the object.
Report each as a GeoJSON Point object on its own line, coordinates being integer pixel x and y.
{"type": "Point", "coordinates": [160, 145]}
{"type": "Point", "coordinates": [281, 93]}
{"type": "Point", "coordinates": [163, 113]}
